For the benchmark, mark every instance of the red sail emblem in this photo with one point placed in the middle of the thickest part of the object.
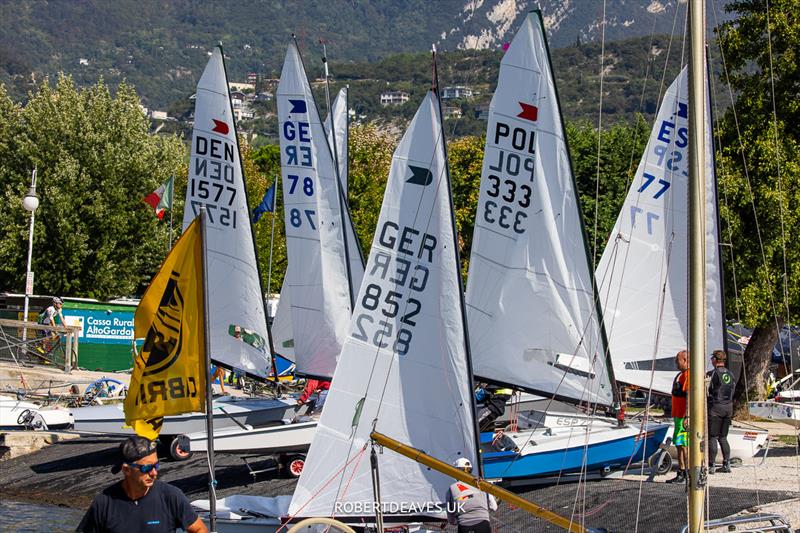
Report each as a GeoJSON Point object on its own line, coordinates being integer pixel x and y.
{"type": "Point", "coordinates": [529, 112]}
{"type": "Point", "coordinates": [220, 127]}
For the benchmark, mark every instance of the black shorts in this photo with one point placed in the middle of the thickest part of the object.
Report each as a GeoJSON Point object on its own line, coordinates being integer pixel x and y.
{"type": "Point", "coordinates": [480, 527]}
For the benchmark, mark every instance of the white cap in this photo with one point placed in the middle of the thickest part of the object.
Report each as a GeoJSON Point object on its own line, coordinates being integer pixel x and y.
{"type": "Point", "coordinates": [462, 462]}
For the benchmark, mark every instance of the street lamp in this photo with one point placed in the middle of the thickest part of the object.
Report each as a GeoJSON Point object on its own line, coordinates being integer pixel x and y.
{"type": "Point", "coordinates": [30, 203]}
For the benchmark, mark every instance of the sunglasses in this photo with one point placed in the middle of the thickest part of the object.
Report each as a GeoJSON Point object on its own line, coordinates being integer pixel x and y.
{"type": "Point", "coordinates": [144, 469]}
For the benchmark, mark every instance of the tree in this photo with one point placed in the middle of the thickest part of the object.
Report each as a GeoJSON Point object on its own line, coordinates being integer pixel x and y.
{"type": "Point", "coordinates": [759, 175]}
{"type": "Point", "coordinates": [96, 160]}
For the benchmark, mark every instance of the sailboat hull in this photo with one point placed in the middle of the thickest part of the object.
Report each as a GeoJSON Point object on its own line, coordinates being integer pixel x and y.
{"type": "Point", "coordinates": [549, 452]}
{"type": "Point", "coordinates": [110, 419]}
{"type": "Point", "coordinates": [786, 412]}
{"type": "Point", "coordinates": [274, 438]}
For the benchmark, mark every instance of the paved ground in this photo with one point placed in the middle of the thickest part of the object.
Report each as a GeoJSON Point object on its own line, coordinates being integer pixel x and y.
{"type": "Point", "coordinates": [71, 473]}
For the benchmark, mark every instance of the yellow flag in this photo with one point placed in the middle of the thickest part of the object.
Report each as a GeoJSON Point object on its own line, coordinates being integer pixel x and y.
{"type": "Point", "coordinates": [169, 376]}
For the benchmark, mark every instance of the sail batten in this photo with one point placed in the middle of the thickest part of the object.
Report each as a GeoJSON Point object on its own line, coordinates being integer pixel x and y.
{"type": "Point", "coordinates": [642, 274]}
{"type": "Point", "coordinates": [533, 320]}
{"type": "Point", "coordinates": [238, 337]}
{"type": "Point", "coordinates": [404, 369]}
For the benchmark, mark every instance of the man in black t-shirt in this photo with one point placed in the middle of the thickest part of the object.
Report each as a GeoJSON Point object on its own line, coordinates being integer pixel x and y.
{"type": "Point", "coordinates": [140, 502]}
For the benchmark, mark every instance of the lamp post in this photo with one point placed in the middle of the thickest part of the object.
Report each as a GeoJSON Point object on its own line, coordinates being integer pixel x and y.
{"type": "Point", "coordinates": [30, 203]}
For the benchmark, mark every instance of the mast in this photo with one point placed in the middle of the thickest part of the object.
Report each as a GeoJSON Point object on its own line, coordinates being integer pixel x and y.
{"type": "Point", "coordinates": [473, 405]}
{"type": "Point", "coordinates": [697, 308]}
{"type": "Point", "coordinates": [335, 154]}
{"type": "Point", "coordinates": [212, 482]}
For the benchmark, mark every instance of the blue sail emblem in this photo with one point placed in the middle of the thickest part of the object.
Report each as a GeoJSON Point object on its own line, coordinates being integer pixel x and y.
{"type": "Point", "coordinates": [298, 106]}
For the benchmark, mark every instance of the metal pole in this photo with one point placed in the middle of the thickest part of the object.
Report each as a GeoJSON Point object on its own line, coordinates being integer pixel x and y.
{"type": "Point", "coordinates": [697, 307]}
{"type": "Point", "coordinates": [171, 209]}
{"type": "Point", "coordinates": [269, 274]}
{"type": "Point", "coordinates": [28, 273]}
{"type": "Point", "coordinates": [340, 191]}
{"type": "Point", "coordinates": [376, 489]}
{"type": "Point", "coordinates": [272, 240]}
{"type": "Point", "coordinates": [457, 473]}
{"type": "Point", "coordinates": [212, 495]}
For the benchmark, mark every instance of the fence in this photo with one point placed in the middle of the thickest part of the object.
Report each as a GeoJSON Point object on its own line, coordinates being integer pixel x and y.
{"type": "Point", "coordinates": [32, 343]}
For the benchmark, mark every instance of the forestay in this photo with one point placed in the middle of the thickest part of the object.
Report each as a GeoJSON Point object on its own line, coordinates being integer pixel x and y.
{"type": "Point", "coordinates": [236, 316]}
{"type": "Point", "coordinates": [341, 129]}
{"type": "Point", "coordinates": [318, 275]}
{"type": "Point", "coordinates": [643, 271]}
{"type": "Point", "coordinates": [404, 366]}
{"type": "Point", "coordinates": [532, 316]}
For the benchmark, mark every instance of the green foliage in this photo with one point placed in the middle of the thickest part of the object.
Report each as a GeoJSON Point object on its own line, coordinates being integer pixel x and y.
{"type": "Point", "coordinates": [96, 160]}
{"type": "Point", "coordinates": [759, 162]}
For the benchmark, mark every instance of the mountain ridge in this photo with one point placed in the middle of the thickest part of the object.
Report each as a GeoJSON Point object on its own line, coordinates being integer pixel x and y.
{"type": "Point", "coordinates": [161, 46]}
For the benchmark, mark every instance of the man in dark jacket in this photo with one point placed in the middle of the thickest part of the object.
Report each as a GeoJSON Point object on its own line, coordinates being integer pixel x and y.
{"type": "Point", "coordinates": [720, 411]}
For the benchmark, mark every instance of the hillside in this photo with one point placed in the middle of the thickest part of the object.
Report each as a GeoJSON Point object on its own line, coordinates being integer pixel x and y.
{"type": "Point", "coordinates": [161, 46]}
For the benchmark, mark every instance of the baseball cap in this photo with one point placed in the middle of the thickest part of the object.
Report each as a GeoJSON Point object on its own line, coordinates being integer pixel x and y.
{"type": "Point", "coordinates": [132, 449]}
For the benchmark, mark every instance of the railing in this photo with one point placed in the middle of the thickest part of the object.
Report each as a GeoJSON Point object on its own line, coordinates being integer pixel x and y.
{"type": "Point", "coordinates": [32, 343]}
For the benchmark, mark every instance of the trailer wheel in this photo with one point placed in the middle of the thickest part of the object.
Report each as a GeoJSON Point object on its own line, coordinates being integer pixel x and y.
{"type": "Point", "coordinates": [661, 461]}
{"type": "Point", "coordinates": [293, 465]}
{"type": "Point", "coordinates": [179, 449]}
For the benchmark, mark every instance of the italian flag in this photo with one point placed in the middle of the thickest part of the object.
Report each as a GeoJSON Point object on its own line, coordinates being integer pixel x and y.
{"type": "Point", "coordinates": [161, 199]}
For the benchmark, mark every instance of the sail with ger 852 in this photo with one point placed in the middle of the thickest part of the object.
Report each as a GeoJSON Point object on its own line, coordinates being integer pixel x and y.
{"type": "Point", "coordinates": [532, 316]}
{"type": "Point", "coordinates": [404, 369]}
{"type": "Point", "coordinates": [237, 320]}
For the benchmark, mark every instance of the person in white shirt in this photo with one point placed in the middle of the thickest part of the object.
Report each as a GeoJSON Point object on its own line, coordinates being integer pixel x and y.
{"type": "Point", "coordinates": [467, 506]}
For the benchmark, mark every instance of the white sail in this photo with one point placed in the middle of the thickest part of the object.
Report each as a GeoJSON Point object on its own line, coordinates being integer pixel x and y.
{"type": "Point", "coordinates": [404, 366]}
{"type": "Point", "coordinates": [532, 317]}
{"type": "Point", "coordinates": [282, 331]}
{"type": "Point", "coordinates": [642, 275]}
{"type": "Point", "coordinates": [339, 113]}
{"type": "Point", "coordinates": [236, 316]}
{"type": "Point", "coordinates": [314, 209]}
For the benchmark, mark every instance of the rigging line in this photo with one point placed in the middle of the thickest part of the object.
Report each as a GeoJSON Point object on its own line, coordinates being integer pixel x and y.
{"type": "Point", "coordinates": [470, 72]}
{"type": "Point", "coordinates": [778, 167]}
{"type": "Point", "coordinates": [780, 208]}
{"type": "Point", "coordinates": [328, 482]}
{"type": "Point", "coordinates": [599, 135]}
{"type": "Point", "coordinates": [648, 61]}
{"type": "Point", "coordinates": [722, 162]}
{"type": "Point", "coordinates": [669, 49]}
{"type": "Point", "coordinates": [747, 180]}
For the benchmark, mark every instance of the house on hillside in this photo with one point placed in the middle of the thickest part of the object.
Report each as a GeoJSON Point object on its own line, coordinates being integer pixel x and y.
{"type": "Point", "coordinates": [451, 111]}
{"type": "Point", "coordinates": [457, 91]}
{"type": "Point", "coordinates": [394, 97]}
